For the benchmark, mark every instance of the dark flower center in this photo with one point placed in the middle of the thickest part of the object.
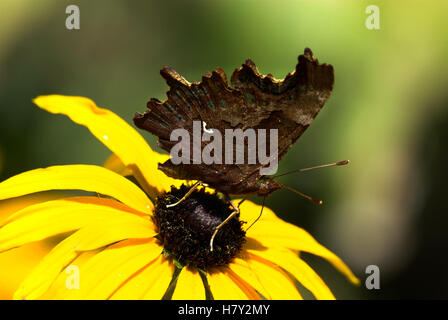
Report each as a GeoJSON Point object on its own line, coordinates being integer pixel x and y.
{"type": "Point", "coordinates": [185, 230]}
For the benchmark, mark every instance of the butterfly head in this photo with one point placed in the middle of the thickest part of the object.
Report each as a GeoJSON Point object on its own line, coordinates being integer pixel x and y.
{"type": "Point", "coordinates": [266, 186]}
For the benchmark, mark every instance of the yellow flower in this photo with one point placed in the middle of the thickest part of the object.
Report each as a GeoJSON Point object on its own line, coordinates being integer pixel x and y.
{"type": "Point", "coordinates": [116, 241]}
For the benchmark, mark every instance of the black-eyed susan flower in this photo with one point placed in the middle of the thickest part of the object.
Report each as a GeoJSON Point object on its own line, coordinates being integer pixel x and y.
{"type": "Point", "coordinates": [124, 243]}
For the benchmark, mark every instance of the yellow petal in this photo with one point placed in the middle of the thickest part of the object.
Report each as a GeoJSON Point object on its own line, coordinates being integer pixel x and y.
{"type": "Point", "coordinates": [114, 133]}
{"type": "Point", "coordinates": [244, 286]}
{"type": "Point", "coordinates": [50, 218]}
{"type": "Point", "coordinates": [226, 285]}
{"type": "Point", "coordinates": [67, 203]}
{"type": "Point", "coordinates": [16, 264]}
{"type": "Point", "coordinates": [149, 284]}
{"type": "Point", "coordinates": [163, 279]}
{"type": "Point", "coordinates": [77, 177]}
{"type": "Point", "coordinates": [299, 269]}
{"type": "Point", "coordinates": [87, 238]}
{"type": "Point", "coordinates": [189, 286]}
{"type": "Point", "coordinates": [114, 164]}
{"type": "Point", "coordinates": [273, 232]}
{"type": "Point", "coordinates": [109, 269]}
{"type": "Point", "coordinates": [243, 269]}
{"type": "Point", "coordinates": [10, 206]}
{"type": "Point", "coordinates": [60, 290]}
{"type": "Point", "coordinates": [279, 285]}
{"type": "Point", "coordinates": [12, 268]}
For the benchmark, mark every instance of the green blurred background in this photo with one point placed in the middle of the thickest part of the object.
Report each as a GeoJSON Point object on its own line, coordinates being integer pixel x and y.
{"type": "Point", "coordinates": [387, 114]}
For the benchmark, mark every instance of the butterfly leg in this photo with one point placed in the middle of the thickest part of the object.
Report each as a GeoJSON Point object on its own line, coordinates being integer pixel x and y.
{"type": "Point", "coordinates": [194, 187]}
{"type": "Point", "coordinates": [236, 210]}
{"type": "Point", "coordinates": [259, 216]}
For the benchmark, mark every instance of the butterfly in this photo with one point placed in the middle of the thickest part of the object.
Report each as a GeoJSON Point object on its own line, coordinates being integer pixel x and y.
{"type": "Point", "coordinates": [252, 100]}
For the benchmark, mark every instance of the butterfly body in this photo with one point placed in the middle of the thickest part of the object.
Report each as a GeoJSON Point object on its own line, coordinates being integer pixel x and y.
{"type": "Point", "coordinates": [252, 101]}
{"type": "Point", "coordinates": [254, 184]}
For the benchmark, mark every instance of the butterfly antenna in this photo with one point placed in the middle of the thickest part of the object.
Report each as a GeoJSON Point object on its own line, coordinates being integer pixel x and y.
{"type": "Point", "coordinates": [262, 207]}
{"type": "Point", "coordinates": [302, 194]}
{"type": "Point", "coordinates": [338, 163]}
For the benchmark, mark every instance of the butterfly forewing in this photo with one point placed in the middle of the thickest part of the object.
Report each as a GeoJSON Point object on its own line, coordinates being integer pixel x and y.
{"type": "Point", "coordinates": [253, 101]}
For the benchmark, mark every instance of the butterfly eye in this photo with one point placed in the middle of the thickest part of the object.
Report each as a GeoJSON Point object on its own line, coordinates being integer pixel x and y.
{"type": "Point", "coordinates": [261, 181]}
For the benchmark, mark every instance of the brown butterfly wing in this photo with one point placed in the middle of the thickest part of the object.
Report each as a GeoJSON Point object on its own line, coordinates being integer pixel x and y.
{"type": "Point", "coordinates": [211, 101]}
{"type": "Point", "coordinates": [289, 105]}
{"type": "Point", "coordinates": [254, 101]}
